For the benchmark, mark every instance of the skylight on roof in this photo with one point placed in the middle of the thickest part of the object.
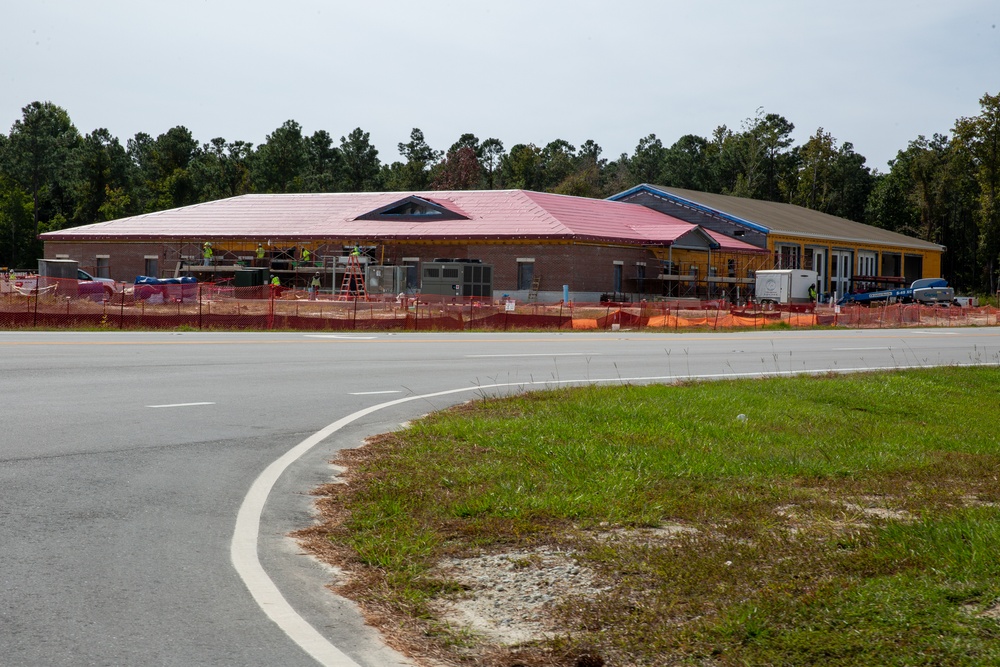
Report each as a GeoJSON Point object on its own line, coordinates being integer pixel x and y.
{"type": "Point", "coordinates": [412, 209]}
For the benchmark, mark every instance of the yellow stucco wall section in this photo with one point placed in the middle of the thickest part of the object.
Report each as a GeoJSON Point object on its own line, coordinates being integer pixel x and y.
{"type": "Point", "coordinates": [931, 258]}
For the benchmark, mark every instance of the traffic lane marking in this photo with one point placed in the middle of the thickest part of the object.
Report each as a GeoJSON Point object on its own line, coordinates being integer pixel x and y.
{"type": "Point", "coordinates": [373, 393]}
{"type": "Point", "coordinates": [534, 354]}
{"type": "Point", "coordinates": [243, 545]}
{"type": "Point", "coordinates": [461, 337]}
{"type": "Point", "coordinates": [341, 337]}
{"type": "Point", "coordinates": [180, 405]}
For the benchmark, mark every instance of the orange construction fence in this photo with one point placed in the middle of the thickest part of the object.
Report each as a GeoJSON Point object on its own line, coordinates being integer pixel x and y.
{"type": "Point", "coordinates": [55, 304]}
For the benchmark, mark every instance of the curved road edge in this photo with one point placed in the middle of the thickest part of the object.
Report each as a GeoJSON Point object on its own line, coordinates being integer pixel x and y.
{"type": "Point", "coordinates": [243, 548]}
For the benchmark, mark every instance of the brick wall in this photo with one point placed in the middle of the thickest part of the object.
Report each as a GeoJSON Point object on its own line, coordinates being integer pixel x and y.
{"type": "Point", "coordinates": [585, 268]}
{"type": "Point", "coordinates": [126, 260]}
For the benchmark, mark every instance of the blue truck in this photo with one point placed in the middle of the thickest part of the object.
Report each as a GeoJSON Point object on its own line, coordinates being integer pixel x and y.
{"type": "Point", "coordinates": [928, 291]}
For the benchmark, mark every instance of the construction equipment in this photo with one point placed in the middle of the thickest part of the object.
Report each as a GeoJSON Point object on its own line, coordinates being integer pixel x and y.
{"type": "Point", "coordinates": [353, 285]}
{"type": "Point", "coordinates": [462, 277]}
{"type": "Point", "coordinates": [925, 291]}
{"type": "Point", "coordinates": [536, 281]}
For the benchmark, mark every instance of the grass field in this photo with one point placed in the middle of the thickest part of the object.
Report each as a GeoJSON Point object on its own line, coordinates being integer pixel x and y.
{"type": "Point", "coordinates": [849, 520]}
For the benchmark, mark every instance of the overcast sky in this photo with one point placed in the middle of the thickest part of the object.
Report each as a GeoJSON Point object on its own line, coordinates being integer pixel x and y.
{"type": "Point", "coordinates": [877, 73]}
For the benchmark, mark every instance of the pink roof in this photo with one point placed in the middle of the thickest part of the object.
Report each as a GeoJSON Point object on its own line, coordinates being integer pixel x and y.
{"type": "Point", "coordinates": [491, 215]}
{"type": "Point", "coordinates": [730, 244]}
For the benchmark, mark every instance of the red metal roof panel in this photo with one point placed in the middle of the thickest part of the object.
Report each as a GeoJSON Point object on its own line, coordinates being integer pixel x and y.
{"type": "Point", "coordinates": [494, 214]}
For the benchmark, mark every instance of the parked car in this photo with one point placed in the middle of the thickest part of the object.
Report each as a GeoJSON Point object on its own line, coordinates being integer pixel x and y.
{"type": "Point", "coordinates": [89, 285]}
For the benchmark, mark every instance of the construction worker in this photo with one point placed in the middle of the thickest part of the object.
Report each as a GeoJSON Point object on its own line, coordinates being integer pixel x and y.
{"type": "Point", "coordinates": [206, 253]}
{"type": "Point", "coordinates": [260, 255]}
{"type": "Point", "coordinates": [812, 293]}
{"type": "Point", "coordinates": [305, 255]}
{"type": "Point", "coordinates": [314, 286]}
{"type": "Point", "coordinates": [275, 286]}
{"type": "Point", "coordinates": [356, 252]}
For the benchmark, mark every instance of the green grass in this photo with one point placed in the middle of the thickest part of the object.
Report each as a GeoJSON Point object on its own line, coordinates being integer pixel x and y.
{"type": "Point", "coordinates": [848, 520]}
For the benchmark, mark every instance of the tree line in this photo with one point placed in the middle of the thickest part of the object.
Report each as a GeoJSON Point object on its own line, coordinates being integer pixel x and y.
{"type": "Point", "coordinates": [941, 189]}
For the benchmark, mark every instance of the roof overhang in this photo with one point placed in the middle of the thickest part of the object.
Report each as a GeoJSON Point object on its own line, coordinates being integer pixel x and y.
{"type": "Point", "coordinates": [681, 201]}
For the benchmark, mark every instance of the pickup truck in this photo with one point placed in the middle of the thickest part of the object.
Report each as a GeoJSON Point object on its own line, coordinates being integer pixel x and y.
{"type": "Point", "coordinates": [87, 285]}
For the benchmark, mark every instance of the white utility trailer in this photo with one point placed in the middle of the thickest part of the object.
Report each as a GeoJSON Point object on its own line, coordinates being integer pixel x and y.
{"type": "Point", "coordinates": [784, 286]}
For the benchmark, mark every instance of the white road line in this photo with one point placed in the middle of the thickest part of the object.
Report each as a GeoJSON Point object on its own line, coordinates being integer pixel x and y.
{"type": "Point", "coordinates": [179, 405]}
{"type": "Point", "coordinates": [936, 333]}
{"type": "Point", "coordinates": [848, 349]}
{"type": "Point", "coordinates": [341, 337]}
{"type": "Point", "coordinates": [243, 548]}
{"type": "Point", "coordinates": [373, 393]}
{"type": "Point", "coordinates": [539, 354]}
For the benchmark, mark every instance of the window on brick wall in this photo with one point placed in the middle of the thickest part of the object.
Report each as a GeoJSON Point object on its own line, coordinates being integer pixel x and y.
{"type": "Point", "coordinates": [412, 274]}
{"type": "Point", "coordinates": [102, 267]}
{"type": "Point", "coordinates": [525, 274]}
{"type": "Point", "coordinates": [152, 267]}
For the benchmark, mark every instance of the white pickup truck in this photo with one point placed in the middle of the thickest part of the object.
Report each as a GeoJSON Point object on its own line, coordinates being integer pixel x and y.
{"type": "Point", "coordinates": [109, 286]}
{"type": "Point", "coordinates": [87, 285]}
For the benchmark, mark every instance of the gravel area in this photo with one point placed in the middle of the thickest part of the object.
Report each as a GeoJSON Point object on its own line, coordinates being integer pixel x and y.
{"type": "Point", "coordinates": [507, 595]}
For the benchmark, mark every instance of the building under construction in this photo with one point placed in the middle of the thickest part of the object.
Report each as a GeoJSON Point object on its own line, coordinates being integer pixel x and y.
{"type": "Point", "coordinates": [522, 244]}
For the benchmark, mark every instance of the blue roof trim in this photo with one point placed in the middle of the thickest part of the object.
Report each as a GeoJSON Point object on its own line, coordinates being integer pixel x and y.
{"type": "Point", "coordinates": [692, 204]}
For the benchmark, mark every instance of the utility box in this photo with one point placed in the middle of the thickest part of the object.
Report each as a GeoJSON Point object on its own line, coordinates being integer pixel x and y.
{"type": "Point", "coordinates": [385, 279]}
{"type": "Point", "coordinates": [785, 286]}
{"type": "Point", "coordinates": [58, 268]}
{"type": "Point", "coordinates": [457, 277]}
{"type": "Point", "coordinates": [250, 277]}
{"type": "Point", "coordinates": [59, 275]}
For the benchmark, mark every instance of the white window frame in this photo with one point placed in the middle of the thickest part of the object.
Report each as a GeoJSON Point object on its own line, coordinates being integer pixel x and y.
{"type": "Point", "coordinates": [867, 263]}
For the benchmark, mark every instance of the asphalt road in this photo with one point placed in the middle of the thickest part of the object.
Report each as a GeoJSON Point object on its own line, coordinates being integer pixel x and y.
{"type": "Point", "coordinates": [125, 459]}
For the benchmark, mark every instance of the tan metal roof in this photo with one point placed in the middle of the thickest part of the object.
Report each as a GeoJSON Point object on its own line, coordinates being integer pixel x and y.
{"type": "Point", "coordinates": [794, 220]}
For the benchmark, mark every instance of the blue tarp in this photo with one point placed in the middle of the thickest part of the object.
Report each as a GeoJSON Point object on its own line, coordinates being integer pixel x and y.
{"type": "Point", "coordinates": [149, 280]}
{"type": "Point", "coordinates": [166, 288]}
